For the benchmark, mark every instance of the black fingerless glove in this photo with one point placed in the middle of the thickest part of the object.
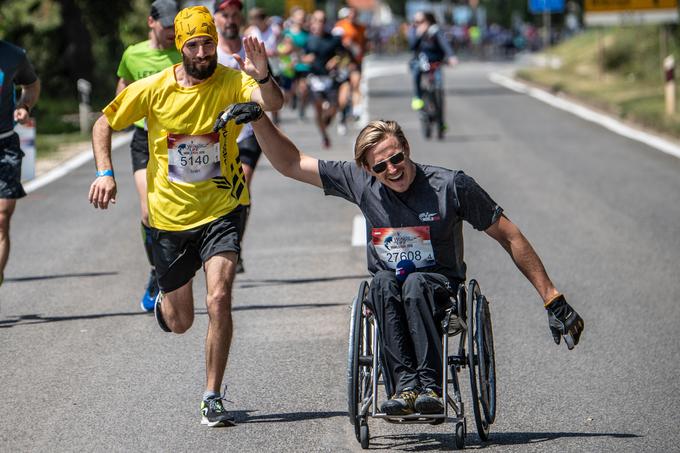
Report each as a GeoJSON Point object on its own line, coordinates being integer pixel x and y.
{"type": "Point", "coordinates": [244, 112]}
{"type": "Point", "coordinates": [564, 321]}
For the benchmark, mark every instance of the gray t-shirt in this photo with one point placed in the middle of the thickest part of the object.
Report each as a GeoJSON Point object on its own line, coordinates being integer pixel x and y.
{"type": "Point", "coordinates": [14, 69]}
{"type": "Point", "coordinates": [426, 218]}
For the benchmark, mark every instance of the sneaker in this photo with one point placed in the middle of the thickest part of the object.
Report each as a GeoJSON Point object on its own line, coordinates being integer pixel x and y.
{"type": "Point", "coordinates": [149, 298]}
{"type": "Point", "coordinates": [213, 413]}
{"type": "Point", "coordinates": [401, 403]}
{"type": "Point", "coordinates": [417, 104]}
{"type": "Point", "coordinates": [325, 142]}
{"type": "Point", "coordinates": [342, 129]}
{"type": "Point", "coordinates": [429, 402]}
{"type": "Point", "coordinates": [157, 313]}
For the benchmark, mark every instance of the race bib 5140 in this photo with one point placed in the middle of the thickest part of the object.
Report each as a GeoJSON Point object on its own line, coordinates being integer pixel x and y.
{"type": "Point", "coordinates": [193, 158]}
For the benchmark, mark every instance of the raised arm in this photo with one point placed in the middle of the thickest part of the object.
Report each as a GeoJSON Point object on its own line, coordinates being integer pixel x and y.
{"type": "Point", "coordinates": [268, 94]}
{"type": "Point", "coordinates": [284, 155]}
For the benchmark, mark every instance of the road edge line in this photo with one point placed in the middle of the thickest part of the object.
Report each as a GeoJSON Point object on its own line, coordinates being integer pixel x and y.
{"type": "Point", "coordinates": [587, 114]}
{"type": "Point", "coordinates": [70, 165]}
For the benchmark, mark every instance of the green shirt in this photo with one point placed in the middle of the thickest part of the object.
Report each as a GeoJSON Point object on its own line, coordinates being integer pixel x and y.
{"type": "Point", "coordinates": [141, 60]}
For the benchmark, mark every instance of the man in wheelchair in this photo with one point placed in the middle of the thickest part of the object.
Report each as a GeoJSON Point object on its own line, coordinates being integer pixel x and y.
{"type": "Point", "coordinates": [414, 215]}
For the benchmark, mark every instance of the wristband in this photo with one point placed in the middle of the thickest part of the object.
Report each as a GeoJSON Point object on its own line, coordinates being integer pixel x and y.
{"type": "Point", "coordinates": [108, 172]}
{"type": "Point", "coordinates": [552, 299]}
{"type": "Point", "coordinates": [263, 81]}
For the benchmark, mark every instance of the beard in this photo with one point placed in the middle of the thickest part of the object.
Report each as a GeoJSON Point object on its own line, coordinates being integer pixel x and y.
{"type": "Point", "coordinates": [230, 32]}
{"type": "Point", "coordinates": [200, 73]}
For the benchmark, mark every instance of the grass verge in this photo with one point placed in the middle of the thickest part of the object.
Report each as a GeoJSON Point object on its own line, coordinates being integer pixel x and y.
{"type": "Point", "coordinates": [618, 70]}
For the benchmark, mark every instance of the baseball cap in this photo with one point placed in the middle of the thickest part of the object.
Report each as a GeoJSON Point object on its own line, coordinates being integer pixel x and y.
{"type": "Point", "coordinates": [221, 4]}
{"type": "Point", "coordinates": [164, 11]}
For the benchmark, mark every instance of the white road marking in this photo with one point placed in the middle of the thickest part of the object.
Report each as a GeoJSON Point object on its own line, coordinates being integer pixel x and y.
{"type": "Point", "coordinates": [605, 121]}
{"type": "Point", "coordinates": [70, 165]}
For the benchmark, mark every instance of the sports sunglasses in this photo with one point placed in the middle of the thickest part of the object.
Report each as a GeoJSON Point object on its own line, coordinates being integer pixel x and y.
{"type": "Point", "coordinates": [394, 159]}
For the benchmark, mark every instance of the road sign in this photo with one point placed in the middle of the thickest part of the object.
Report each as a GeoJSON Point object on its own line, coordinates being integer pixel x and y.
{"type": "Point", "coordinates": [543, 6]}
{"type": "Point", "coordinates": [615, 12]}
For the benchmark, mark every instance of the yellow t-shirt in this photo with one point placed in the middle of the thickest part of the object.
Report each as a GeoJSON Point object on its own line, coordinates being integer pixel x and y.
{"type": "Point", "coordinates": [194, 176]}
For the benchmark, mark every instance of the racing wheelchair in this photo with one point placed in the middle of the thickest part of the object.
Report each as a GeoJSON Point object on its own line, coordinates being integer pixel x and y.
{"type": "Point", "coordinates": [469, 318]}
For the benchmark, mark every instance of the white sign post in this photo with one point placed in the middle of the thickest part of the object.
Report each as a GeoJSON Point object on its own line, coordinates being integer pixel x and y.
{"type": "Point", "coordinates": [26, 133]}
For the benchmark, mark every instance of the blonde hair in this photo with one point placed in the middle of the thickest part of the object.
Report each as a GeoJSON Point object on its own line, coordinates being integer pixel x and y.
{"type": "Point", "coordinates": [374, 133]}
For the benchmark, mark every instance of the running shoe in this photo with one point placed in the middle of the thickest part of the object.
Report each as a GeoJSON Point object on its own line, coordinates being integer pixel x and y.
{"type": "Point", "coordinates": [158, 314]}
{"type": "Point", "coordinates": [417, 104]}
{"type": "Point", "coordinates": [400, 404]}
{"type": "Point", "coordinates": [149, 298]}
{"type": "Point", "coordinates": [213, 413]}
{"type": "Point", "coordinates": [429, 402]}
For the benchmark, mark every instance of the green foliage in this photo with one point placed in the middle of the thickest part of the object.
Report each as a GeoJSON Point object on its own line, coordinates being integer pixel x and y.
{"type": "Point", "coordinates": [616, 69]}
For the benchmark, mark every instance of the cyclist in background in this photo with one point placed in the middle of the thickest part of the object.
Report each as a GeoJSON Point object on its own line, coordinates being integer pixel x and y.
{"type": "Point", "coordinates": [429, 47]}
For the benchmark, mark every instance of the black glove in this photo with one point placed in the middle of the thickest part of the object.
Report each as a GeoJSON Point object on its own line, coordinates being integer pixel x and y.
{"type": "Point", "coordinates": [240, 113]}
{"type": "Point", "coordinates": [564, 321]}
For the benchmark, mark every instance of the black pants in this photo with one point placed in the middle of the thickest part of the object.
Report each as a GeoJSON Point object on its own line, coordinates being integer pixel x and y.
{"type": "Point", "coordinates": [409, 319]}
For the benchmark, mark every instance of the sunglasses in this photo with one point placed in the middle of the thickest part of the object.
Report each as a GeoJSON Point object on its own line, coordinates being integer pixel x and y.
{"type": "Point", "coordinates": [393, 159]}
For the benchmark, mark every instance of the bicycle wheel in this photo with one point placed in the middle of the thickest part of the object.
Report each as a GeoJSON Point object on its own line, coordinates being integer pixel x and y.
{"type": "Point", "coordinates": [473, 297]}
{"type": "Point", "coordinates": [426, 114]}
{"type": "Point", "coordinates": [438, 114]}
{"type": "Point", "coordinates": [358, 359]}
{"type": "Point", "coordinates": [486, 359]}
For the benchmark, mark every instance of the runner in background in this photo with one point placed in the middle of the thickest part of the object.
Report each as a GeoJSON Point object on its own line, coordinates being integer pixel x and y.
{"type": "Point", "coordinates": [353, 36]}
{"type": "Point", "coordinates": [228, 19]}
{"type": "Point", "coordinates": [269, 32]}
{"type": "Point", "coordinates": [296, 29]}
{"type": "Point", "coordinates": [323, 53]}
{"type": "Point", "coordinates": [15, 69]}
{"type": "Point", "coordinates": [141, 60]}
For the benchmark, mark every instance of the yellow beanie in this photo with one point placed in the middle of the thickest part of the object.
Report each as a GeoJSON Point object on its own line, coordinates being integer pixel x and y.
{"type": "Point", "coordinates": [193, 22]}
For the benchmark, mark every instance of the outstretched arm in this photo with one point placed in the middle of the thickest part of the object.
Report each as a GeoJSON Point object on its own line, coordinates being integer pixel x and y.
{"type": "Point", "coordinates": [523, 255]}
{"type": "Point", "coordinates": [284, 155]}
{"type": "Point", "coordinates": [563, 320]}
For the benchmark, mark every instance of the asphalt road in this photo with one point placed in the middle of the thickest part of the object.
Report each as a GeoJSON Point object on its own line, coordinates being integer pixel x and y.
{"type": "Point", "coordinates": [82, 369]}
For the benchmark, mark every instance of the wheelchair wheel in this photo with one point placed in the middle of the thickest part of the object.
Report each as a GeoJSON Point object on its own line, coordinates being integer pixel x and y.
{"type": "Point", "coordinates": [474, 358]}
{"type": "Point", "coordinates": [364, 436]}
{"type": "Point", "coordinates": [358, 370]}
{"type": "Point", "coordinates": [487, 360]}
{"type": "Point", "coordinates": [459, 436]}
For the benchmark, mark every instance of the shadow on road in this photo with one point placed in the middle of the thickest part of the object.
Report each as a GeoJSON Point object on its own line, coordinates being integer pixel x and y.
{"type": "Point", "coordinates": [438, 441]}
{"type": "Point", "coordinates": [245, 417]}
{"type": "Point", "coordinates": [256, 283]}
{"type": "Point", "coordinates": [25, 320]}
{"type": "Point", "coordinates": [50, 277]}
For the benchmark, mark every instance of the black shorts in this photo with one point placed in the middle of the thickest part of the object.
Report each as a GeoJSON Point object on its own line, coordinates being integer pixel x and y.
{"type": "Point", "coordinates": [179, 254]}
{"type": "Point", "coordinates": [10, 168]}
{"type": "Point", "coordinates": [139, 149]}
{"type": "Point", "coordinates": [249, 151]}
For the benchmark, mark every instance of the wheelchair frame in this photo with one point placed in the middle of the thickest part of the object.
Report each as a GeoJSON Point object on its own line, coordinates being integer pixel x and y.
{"type": "Point", "coordinates": [474, 327]}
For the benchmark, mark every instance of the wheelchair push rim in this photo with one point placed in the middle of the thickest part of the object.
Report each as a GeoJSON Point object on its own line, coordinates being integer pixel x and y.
{"type": "Point", "coordinates": [481, 363]}
{"type": "Point", "coordinates": [359, 350]}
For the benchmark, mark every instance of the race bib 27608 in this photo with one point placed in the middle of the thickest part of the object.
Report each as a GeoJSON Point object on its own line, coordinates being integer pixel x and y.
{"type": "Point", "coordinates": [406, 243]}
